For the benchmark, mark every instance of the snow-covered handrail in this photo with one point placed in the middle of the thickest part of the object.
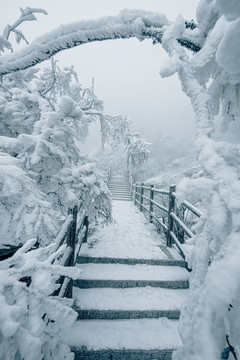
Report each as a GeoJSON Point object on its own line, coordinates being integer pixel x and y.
{"type": "Point", "coordinates": [172, 218]}
{"type": "Point", "coordinates": [129, 23]}
{"type": "Point", "coordinates": [73, 232]}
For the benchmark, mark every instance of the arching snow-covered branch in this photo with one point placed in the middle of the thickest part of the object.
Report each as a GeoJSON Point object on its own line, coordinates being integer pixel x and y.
{"type": "Point", "coordinates": [129, 23]}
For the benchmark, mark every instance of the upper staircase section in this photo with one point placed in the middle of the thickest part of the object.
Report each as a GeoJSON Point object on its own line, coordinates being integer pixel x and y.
{"type": "Point", "coordinates": [119, 187]}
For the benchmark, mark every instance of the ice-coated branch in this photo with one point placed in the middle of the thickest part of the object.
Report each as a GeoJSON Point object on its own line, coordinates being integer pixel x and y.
{"type": "Point", "coordinates": [129, 23]}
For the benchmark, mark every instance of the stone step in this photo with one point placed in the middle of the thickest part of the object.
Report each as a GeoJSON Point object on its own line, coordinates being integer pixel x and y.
{"type": "Point", "coordinates": [118, 185]}
{"type": "Point", "coordinates": [103, 283]}
{"type": "Point", "coordinates": [127, 276]}
{"type": "Point", "coordinates": [125, 354]}
{"type": "Point", "coordinates": [115, 179]}
{"type": "Point", "coordinates": [93, 314]}
{"type": "Point", "coordinates": [119, 189]}
{"type": "Point", "coordinates": [118, 197]}
{"type": "Point", "coordinates": [124, 339]}
{"type": "Point", "coordinates": [118, 182]}
{"type": "Point", "coordinates": [125, 183]}
{"type": "Point", "coordinates": [132, 272]}
{"type": "Point", "coordinates": [129, 303]}
{"type": "Point", "coordinates": [121, 199]}
{"type": "Point", "coordinates": [130, 261]}
{"type": "Point", "coordinates": [120, 192]}
{"type": "Point", "coordinates": [127, 196]}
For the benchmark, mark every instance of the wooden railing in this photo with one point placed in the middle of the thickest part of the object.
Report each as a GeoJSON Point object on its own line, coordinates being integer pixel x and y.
{"type": "Point", "coordinates": [73, 233]}
{"type": "Point", "coordinates": [164, 214]}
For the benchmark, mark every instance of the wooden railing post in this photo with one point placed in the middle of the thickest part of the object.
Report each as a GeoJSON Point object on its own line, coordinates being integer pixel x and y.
{"type": "Point", "coordinates": [171, 206]}
{"type": "Point", "coordinates": [71, 239]}
{"type": "Point", "coordinates": [141, 197]}
{"type": "Point", "coordinates": [151, 195]}
{"type": "Point", "coordinates": [86, 223]}
{"type": "Point", "coordinates": [132, 191]}
{"type": "Point", "coordinates": [135, 197]}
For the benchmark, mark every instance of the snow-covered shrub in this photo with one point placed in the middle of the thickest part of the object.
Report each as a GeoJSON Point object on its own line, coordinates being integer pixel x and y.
{"type": "Point", "coordinates": [32, 324]}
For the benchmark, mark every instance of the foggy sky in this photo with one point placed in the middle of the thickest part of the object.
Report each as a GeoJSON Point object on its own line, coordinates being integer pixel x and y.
{"type": "Point", "coordinates": [126, 72]}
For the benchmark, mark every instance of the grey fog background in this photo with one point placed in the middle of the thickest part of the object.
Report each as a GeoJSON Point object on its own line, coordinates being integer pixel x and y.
{"type": "Point", "coordinates": [126, 72]}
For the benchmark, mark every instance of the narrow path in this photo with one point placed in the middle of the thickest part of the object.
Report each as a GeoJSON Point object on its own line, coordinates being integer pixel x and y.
{"type": "Point", "coordinates": [130, 236]}
{"type": "Point", "coordinates": [130, 292]}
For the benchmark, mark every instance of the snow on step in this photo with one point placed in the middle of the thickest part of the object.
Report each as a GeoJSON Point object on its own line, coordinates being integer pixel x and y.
{"type": "Point", "coordinates": [132, 272]}
{"type": "Point", "coordinates": [130, 236]}
{"type": "Point", "coordinates": [105, 334]}
{"type": "Point", "coordinates": [128, 261]}
{"type": "Point", "coordinates": [145, 298]}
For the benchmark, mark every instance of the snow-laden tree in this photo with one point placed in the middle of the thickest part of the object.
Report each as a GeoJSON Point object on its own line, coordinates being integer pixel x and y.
{"type": "Point", "coordinates": [123, 152]}
{"type": "Point", "coordinates": [211, 79]}
{"type": "Point", "coordinates": [138, 151]}
{"type": "Point", "coordinates": [45, 145]}
{"type": "Point", "coordinates": [43, 121]}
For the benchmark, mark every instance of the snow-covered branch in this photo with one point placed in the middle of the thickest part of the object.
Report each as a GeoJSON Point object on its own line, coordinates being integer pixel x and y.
{"type": "Point", "coordinates": [129, 23]}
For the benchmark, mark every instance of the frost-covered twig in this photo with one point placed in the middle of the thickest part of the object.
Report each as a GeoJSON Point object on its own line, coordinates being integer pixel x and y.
{"type": "Point", "coordinates": [26, 15]}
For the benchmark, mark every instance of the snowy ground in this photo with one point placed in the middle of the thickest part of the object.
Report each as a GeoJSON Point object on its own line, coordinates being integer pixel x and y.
{"type": "Point", "coordinates": [130, 236]}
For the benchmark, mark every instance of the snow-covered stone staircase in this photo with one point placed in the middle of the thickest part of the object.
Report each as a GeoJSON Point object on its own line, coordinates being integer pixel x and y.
{"type": "Point", "coordinates": [119, 187]}
{"type": "Point", "coordinates": [128, 305]}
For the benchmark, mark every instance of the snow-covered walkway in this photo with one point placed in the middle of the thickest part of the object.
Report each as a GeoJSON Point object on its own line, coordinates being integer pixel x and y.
{"type": "Point", "coordinates": [130, 236]}
{"type": "Point", "coordinates": [130, 292]}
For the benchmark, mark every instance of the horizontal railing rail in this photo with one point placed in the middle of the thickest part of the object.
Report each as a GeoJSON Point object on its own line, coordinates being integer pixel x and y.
{"type": "Point", "coordinates": [144, 196]}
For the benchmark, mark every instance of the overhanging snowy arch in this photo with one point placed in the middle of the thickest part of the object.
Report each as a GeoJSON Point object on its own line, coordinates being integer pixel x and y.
{"type": "Point", "coordinates": [128, 24]}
